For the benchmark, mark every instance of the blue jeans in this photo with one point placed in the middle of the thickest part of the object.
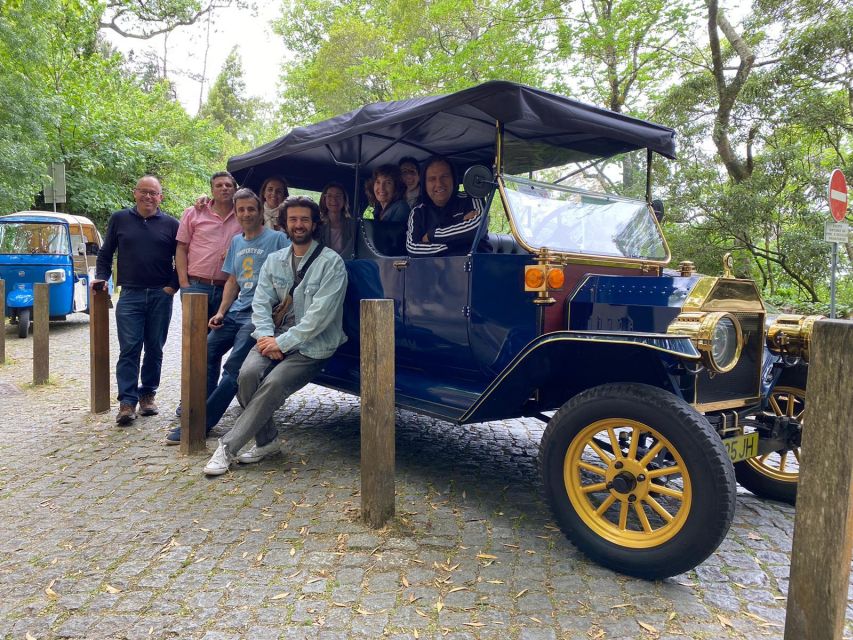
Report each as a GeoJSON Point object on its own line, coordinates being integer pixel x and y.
{"type": "Point", "coordinates": [213, 292]}
{"type": "Point", "coordinates": [235, 334]}
{"type": "Point", "coordinates": [142, 322]}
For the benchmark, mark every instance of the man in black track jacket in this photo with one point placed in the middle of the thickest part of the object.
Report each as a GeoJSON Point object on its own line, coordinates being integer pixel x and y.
{"type": "Point", "coordinates": [445, 222]}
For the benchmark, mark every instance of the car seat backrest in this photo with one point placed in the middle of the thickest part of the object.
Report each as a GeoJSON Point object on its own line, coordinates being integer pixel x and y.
{"type": "Point", "coordinates": [381, 238]}
{"type": "Point", "coordinates": [504, 243]}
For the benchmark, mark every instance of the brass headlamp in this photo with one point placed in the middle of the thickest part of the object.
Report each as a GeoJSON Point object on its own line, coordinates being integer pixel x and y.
{"type": "Point", "coordinates": [791, 335]}
{"type": "Point", "coordinates": [716, 334]}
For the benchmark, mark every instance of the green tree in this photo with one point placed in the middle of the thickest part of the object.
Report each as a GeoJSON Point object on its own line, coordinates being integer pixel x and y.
{"type": "Point", "coordinates": [227, 103]}
{"type": "Point", "coordinates": [776, 133]}
{"type": "Point", "coordinates": [351, 53]}
{"type": "Point", "coordinates": [78, 105]}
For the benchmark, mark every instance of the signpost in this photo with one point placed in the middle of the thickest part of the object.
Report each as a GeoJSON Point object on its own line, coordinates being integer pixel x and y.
{"type": "Point", "coordinates": [54, 189]}
{"type": "Point", "coordinates": [837, 231]}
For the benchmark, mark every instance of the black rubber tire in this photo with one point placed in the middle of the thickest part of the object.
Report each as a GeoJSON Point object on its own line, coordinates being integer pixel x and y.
{"type": "Point", "coordinates": [710, 471]}
{"type": "Point", "coordinates": [24, 322]}
{"type": "Point", "coordinates": [762, 484]}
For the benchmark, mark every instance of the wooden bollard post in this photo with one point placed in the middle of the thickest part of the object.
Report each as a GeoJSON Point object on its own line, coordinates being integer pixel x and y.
{"type": "Point", "coordinates": [99, 351]}
{"type": "Point", "coordinates": [823, 524]}
{"type": "Point", "coordinates": [41, 332]}
{"type": "Point", "coordinates": [2, 321]}
{"type": "Point", "coordinates": [193, 372]}
{"type": "Point", "coordinates": [377, 411]}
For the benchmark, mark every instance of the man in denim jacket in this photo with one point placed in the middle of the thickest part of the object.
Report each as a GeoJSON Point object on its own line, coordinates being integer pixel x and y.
{"type": "Point", "coordinates": [295, 333]}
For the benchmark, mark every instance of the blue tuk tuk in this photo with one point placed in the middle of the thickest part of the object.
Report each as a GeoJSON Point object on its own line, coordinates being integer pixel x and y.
{"type": "Point", "coordinates": [56, 248]}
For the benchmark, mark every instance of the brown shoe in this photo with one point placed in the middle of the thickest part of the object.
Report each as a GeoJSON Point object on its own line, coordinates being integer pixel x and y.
{"type": "Point", "coordinates": [126, 414]}
{"type": "Point", "coordinates": [147, 406]}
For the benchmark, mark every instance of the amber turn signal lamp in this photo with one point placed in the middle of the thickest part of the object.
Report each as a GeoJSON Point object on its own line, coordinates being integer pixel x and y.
{"type": "Point", "coordinates": [556, 279]}
{"type": "Point", "coordinates": [534, 278]}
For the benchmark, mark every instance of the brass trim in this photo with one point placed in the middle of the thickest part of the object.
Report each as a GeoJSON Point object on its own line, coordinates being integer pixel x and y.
{"type": "Point", "coordinates": [725, 404]}
{"type": "Point", "coordinates": [728, 266]}
{"type": "Point", "coordinates": [583, 258]}
{"type": "Point", "coordinates": [704, 296]}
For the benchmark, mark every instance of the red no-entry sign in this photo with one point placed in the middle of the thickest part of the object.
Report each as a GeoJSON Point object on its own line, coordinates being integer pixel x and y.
{"type": "Point", "coordinates": [837, 195]}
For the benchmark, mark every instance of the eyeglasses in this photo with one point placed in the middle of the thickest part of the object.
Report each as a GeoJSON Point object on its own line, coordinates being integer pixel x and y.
{"type": "Point", "coordinates": [147, 192]}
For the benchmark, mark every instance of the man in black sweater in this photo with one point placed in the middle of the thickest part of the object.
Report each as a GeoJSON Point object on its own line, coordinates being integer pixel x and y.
{"type": "Point", "coordinates": [145, 240]}
{"type": "Point", "coordinates": [445, 222]}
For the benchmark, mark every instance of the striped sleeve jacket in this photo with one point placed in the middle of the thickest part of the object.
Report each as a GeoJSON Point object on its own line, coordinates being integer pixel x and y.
{"type": "Point", "coordinates": [444, 227]}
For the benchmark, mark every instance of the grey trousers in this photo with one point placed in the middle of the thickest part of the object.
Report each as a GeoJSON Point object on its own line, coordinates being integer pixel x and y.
{"type": "Point", "coordinates": [263, 386]}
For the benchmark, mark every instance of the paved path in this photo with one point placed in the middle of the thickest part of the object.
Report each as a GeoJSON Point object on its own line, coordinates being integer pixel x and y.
{"type": "Point", "coordinates": [106, 533]}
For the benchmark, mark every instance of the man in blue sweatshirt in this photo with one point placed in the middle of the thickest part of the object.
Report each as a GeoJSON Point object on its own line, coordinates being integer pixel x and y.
{"type": "Point", "coordinates": [145, 240]}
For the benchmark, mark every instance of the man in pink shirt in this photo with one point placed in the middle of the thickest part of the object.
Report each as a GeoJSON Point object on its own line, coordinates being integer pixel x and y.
{"type": "Point", "coordinates": [204, 235]}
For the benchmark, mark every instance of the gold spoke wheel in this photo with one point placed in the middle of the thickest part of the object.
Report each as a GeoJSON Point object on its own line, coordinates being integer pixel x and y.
{"type": "Point", "coordinates": [628, 483]}
{"type": "Point", "coordinates": [784, 465]}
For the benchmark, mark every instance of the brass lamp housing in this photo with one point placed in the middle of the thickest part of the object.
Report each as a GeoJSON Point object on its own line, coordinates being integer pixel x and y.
{"type": "Point", "coordinates": [699, 326]}
{"type": "Point", "coordinates": [791, 335]}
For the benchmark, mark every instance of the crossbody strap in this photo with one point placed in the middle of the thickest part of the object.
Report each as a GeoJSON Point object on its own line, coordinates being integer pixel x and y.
{"type": "Point", "coordinates": [303, 268]}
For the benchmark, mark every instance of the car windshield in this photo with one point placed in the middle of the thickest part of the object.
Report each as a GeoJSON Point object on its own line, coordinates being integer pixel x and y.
{"type": "Point", "coordinates": [574, 220]}
{"type": "Point", "coordinates": [33, 238]}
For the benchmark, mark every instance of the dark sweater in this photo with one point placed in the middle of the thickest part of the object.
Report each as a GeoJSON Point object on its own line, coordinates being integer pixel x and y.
{"type": "Point", "coordinates": [146, 249]}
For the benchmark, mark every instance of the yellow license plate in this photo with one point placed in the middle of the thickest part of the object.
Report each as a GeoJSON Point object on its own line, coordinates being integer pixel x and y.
{"type": "Point", "coordinates": [742, 447]}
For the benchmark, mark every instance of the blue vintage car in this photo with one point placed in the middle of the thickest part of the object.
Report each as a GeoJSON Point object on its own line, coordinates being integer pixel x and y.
{"type": "Point", "coordinates": [657, 385]}
{"type": "Point", "coordinates": [56, 248]}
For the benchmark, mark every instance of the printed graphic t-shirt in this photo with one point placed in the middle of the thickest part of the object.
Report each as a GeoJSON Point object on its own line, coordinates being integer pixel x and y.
{"type": "Point", "coordinates": [245, 259]}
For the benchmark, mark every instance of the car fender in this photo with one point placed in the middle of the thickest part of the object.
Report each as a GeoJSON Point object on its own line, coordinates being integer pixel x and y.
{"type": "Point", "coordinates": [19, 298]}
{"type": "Point", "coordinates": [557, 366]}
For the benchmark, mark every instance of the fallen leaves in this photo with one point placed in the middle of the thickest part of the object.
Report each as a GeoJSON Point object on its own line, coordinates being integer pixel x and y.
{"type": "Point", "coordinates": [50, 592]}
{"type": "Point", "coordinates": [647, 627]}
{"type": "Point", "coordinates": [111, 589]}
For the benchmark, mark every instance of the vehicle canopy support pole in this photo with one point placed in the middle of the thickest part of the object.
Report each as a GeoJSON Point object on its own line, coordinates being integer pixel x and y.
{"type": "Point", "coordinates": [41, 337]}
{"type": "Point", "coordinates": [99, 351]}
{"type": "Point", "coordinates": [356, 199]}
{"type": "Point", "coordinates": [377, 411]}
{"type": "Point", "coordinates": [823, 523]}
{"type": "Point", "coordinates": [193, 372]}
{"type": "Point", "coordinates": [2, 321]}
{"type": "Point", "coordinates": [649, 156]}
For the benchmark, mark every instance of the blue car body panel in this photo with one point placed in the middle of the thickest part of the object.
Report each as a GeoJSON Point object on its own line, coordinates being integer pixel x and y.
{"type": "Point", "coordinates": [467, 341]}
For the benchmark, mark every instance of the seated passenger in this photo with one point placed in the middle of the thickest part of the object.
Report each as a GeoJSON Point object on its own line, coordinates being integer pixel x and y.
{"type": "Point", "coordinates": [385, 192]}
{"type": "Point", "coordinates": [273, 192]}
{"type": "Point", "coordinates": [411, 178]}
{"type": "Point", "coordinates": [338, 231]}
{"type": "Point", "coordinates": [445, 222]}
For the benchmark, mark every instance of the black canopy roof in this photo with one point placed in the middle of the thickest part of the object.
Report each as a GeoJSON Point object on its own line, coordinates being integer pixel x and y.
{"type": "Point", "coordinates": [541, 129]}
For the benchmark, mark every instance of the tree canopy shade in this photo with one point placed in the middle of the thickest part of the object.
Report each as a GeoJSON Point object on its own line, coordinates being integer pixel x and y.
{"type": "Point", "coordinates": [541, 128]}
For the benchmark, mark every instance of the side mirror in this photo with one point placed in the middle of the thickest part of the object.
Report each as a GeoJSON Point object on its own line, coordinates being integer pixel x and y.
{"type": "Point", "coordinates": [478, 181]}
{"type": "Point", "coordinates": [81, 249]}
{"type": "Point", "coordinates": [657, 207]}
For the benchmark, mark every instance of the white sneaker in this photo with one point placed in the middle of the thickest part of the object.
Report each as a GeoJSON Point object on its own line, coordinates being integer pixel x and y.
{"type": "Point", "coordinates": [256, 453]}
{"type": "Point", "coordinates": [220, 462]}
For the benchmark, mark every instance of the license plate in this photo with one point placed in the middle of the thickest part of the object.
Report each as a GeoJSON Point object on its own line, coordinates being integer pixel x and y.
{"type": "Point", "coordinates": [742, 447]}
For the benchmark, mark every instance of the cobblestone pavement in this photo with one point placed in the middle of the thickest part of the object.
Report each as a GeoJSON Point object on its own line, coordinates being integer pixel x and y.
{"type": "Point", "coordinates": [106, 533]}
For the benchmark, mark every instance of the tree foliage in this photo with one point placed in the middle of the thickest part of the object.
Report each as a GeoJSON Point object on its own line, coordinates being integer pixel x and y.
{"type": "Point", "coordinates": [227, 103]}
{"type": "Point", "coordinates": [69, 99]}
{"type": "Point", "coordinates": [349, 53]}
